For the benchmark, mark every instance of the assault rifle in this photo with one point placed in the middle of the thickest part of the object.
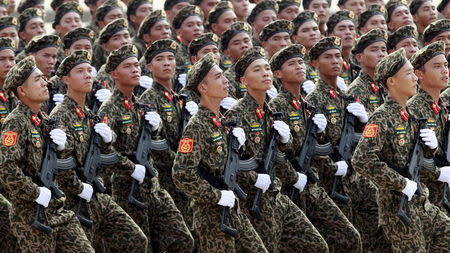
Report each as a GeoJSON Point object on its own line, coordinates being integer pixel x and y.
{"type": "Point", "coordinates": [94, 103]}
{"type": "Point", "coordinates": [446, 194]}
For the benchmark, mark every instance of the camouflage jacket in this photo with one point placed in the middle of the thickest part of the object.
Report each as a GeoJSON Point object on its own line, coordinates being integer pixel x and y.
{"type": "Point", "coordinates": [349, 72]}
{"type": "Point", "coordinates": [7, 103]}
{"type": "Point", "coordinates": [311, 72]}
{"type": "Point", "coordinates": [99, 55]}
{"type": "Point", "coordinates": [104, 77]}
{"type": "Point", "coordinates": [445, 96]}
{"type": "Point", "coordinates": [369, 94]}
{"type": "Point", "coordinates": [236, 89]}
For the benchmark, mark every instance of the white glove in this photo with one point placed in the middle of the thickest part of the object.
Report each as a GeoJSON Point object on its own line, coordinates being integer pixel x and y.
{"type": "Point", "coordinates": [409, 189]}
{"type": "Point", "coordinates": [341, 168]}
{"type": "Point", "coordinates": [429, 137]}
{"type": "Point", "coordinates": [340, 83]}
{"type": "Point", "coordinates": [138, 173]}
{"type": "Point", "coordinates": [102, 95]}
{"type": "Point", "coordinates": [44, 196]}
{"type": "Point", "coordinates": [58, 98]}
{"type": "Point", "coordinates": [227, 198]}
{"type": "Point", "coordinates": [192, 108]}
{"type": "Point", "coordinates": [104, 131]}
{"type": "Point", "coordinates": [301, 181]}
{"type": "Point", "coordinates": [359, 111]}
{"type": "Point", "coordinates": [263, 182]}
{"type": "Point", "coordinates": [228, 102]}
{"type": "Point", "coordinates": [59, 138]}
{"type": "Point", "coordinates": [145, 82]}
{"type": "Point", "coordinates": [272, 92]}
{"type": "Point", "coordinates": [93, 72]}
{"type": "Point", "coordinates": [153, 119]}
{"type": "Point", "coordinates": [87, 192]}
{"type": "Point", "coordinates": [283, 130]}
{"type": "Point", "coordinates": [182, 79]}
{"type": "Point", "coordinates": [240, 135]}
{"type": "Point", "coordinates": [444, 176]}
{"type": "Point", "coordinates": [308, 86]}
{"type": "Point", "coordinates": [320, 121]}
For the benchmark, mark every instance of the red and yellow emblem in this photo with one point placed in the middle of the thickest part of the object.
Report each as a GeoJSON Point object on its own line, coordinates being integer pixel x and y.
{"type": "Point", "coordinates": [186, 145]}
{"type": "Point", "coordinates": [370, 131]}
{"type": "Point", "coordinates": [9, 138]}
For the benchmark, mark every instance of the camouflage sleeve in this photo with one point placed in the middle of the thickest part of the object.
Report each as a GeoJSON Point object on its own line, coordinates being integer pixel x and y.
{"type": "Point", "coordinates": [184, 171]}
{"type": "Point", "coordinates": [366, 158]}
{"type": "Point", "coordinates": [286, 173]}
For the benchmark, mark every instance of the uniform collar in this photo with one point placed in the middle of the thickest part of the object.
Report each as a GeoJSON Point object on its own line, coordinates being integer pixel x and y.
{"type": "Point", "coordinates": [119, 96]}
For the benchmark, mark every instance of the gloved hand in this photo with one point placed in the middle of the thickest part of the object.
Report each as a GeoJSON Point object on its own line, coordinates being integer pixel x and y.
{"type": "Point", "coordinates": [192, 108]}
{"type": "Point", "coordinates": [227, 198]}
{"type": "Point", "coordinates": [320, 121]}
{"type": "Point", "coordinates": [283, 130]}
{"type": "Point", "coordinates": [58, 98]}
{"type": "Point", "coordinates": [138, 173]}
{"type": "Point", "coordinates": [104, 131]}
{"type": "Point", "coordinates": [444, 176]}
{"type": "Point", "coordinates": [87, 192]}
{"type": "Point", "coordinates": [340, 83]}
{"type": "Point", "coordinates": [153, 119]}
{"type": "Point", "coordinates": [44, 196]}
{"type": "Point", "coordinates": [240, 135]}
{"type": "Point", "coordinates": [359, 111]}
{"type": "Point", "coordinates": [145, 82]}
{"type": "Point", "coordinates": [341, 168]}
{"type": "Point", "coordinates": [263, 182]}
{"type": "Point", "coordinates": [182, 79]}
{"type": "Point", "coordinates": [59, 138]}
{"type": "Point", "coordinates": [102, 95]}
{"type": "Point", "coordinates": [308, 86]}
{"type": "Point", "coordinates": [409, 189]}
{"type": "Point", "coordinates": [228, 102]}
{"type": "Point", "coordinates": [301, 181]}
{"type": "Point", "coordinates": [429, 137]}
{"type": "Point", "coordinates": [94, 72]}
{"type": "Point", "coordinates": [272, 92]}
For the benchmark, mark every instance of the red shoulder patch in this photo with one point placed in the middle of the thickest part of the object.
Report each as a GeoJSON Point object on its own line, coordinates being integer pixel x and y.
{"type": "Point", "coordinates": [186, 145]}
{"type": "Point", "coordinates": [9, 138]}
{"type": "Point", "coordinates": [370, 131]}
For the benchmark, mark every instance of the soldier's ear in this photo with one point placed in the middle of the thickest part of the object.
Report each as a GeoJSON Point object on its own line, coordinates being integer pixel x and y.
{"type": "Point", "coordinates": [243, 80]}
{"type": "Point", "coordinates": [315, 63]}
{"type": "Point", "coordinates": [359, 57]}
{"type": "Point", "coordinates": [201, 87]}
{"type": "Point", "coordinates": [390, 82]}
{"type": "Point", "coordinates": [113, 74]}
{"type": "Point", "coordinates": [194, 59]}
{"type": "Point", "coordinates": [418, 73]}
{"type": "Point", "coordinates": [65, 79]}
{"type": "Point", "coordinates": [278, 74]}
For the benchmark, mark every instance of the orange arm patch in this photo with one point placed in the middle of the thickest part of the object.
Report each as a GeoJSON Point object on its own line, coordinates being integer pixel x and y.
{"type": "Point", "coordinates": [370, 131]}
{"type": "Point", "coordinates": [9, 138]}
{"type": "Point", "coordinates": [186, 145]}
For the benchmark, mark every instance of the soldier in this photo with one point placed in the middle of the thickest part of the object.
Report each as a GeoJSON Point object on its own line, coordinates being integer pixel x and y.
{"type": "Point", "coordinates": [382, 155]}
{"type": "Point", "coordinates": [3, 9]}
{"type": "Point", "coordinates": [324, 214]}
{"type": "Point", "coordinates": [282, 226]}
{"type": "Point", "coordinates": [67, 18]}
{"type": "Point", "coordinates": [438, 31]}
{"type": "Point", "coordinates": [172, 7]}
{"type": "Point", "coordinates": [276, 36]}
{"type": "Point", "coordinates": [31, 24]}
{"type": "Point", "coordinates": [107, 13]}
{"type": "Point", "coordinates": [373, 17]}
{"type": "Point", "coordinates": [154, 27]}
{"type": "Point", "coordinates": [45, 51]}
{"type": "Point", "coordinates": [221, 17]}
{"type": "Point", "coordinates": [443, 9]}
{"type": "Point", "coordinates": [30, 4]}
{"type": "Point", "coordinates": [356, 6]}
{"type": "Point", "coordinates": [398, 14]}
{"type": "Point", "coordinates": [405, 37]}
{"type": "Point", "coordinates": [160, 220]}
{"type": "Point", "coordinates": [9, 29]}
{"type": "Point", "coordinates": [321, 8]}
{"type": "Point", "coordinates": [22, 153]}
{"type": "Point", "coordinates": [93, 5]}
{"type": "Point", "coordinates": [206, 6]}
{"type": "Point", "coordinates": [288, 9]}
{"type": "Point", "coordinates": [137, 10]}
{"type": "Point", "coordinates": [264, 13]}
{"type": "Point", "coordinates": [424, 13]}
{"type": "Point", "coordinates": [56, 3]}
{"type": "Point", "coordinates": [241, 9]}
{"type": "Point", "coordinates": [206, 78]}
{"type": "Point", "coordinates": [431, 68]}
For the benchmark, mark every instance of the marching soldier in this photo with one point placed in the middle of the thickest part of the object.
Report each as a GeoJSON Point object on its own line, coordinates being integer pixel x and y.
{"type": "Point", "coordinates": [264, 13]}
{"type": "Point", "coordinates": [398, 14]}
{"type": "Point", "coordinates": [438, 31]}
{"type": "Point", "coordinates": [31, 24]}
{"type": "Point", "coordinates": [9, 29]}
{"type": "Point", "coordinates": [276, 36]}
{"type": "Point", "coordinates": [67, 18]}
{"type": "Point", "coordinates": [405, 37]}
{"type": "Point", "coordinates": [137, 10]}
{"type": "Point", "coordinates": [221, 17]}
{"type": "Point", "coordinates": [372, 18]}
{"type": "Point", "coordinates": [423, 12]}
{"type": "Point", "coordinates": [288, 9]}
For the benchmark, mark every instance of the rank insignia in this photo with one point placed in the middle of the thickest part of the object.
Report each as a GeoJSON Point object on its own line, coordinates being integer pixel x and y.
{"type": "Point", "coordinates": [168, 96]}
{"type": "Point", "coordinates": [186, 145]}
{"type": "Point", "coordinates": [294, 116]}
{"type": "Point", "coordinates": [374, 87]}
{"type": "Point", "coordinates": [36, 121]}
{"type": "Point", "coordinates": [9, 139]}
{"type": "Point", "coordinates": [127, 104]}
{"type": "Point", "coordinates": [126, 119]}
{"type": "Point", "coordinates": [404, 115]}
{"type": "Point", "coordinates": [79, 112]}
{"type": "Point", "coordinates": [2, 96]}
{"type": "Point", "coordinates": [370, 131]}
{"type": "Point", "coordinates": [255, 127]}
{"type": "Point", "coordinates": [216, 137]}
{"type": "Point", "coordinates": [346, 66]}
{"type": "Point", "coordinates": [436, 109]}
{"type": "Point", "coordinates": [259, 113]}
{"type": "Point", "coordinates": [216, 121]}
{"type": "Point", "coordinates": [295, 104]}
{"type": "Point", "coordinates": [333, 94]}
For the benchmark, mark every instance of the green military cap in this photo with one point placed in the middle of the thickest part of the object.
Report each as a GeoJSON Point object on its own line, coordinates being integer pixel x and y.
{"type": "Point", "coordinates": [19, 73]}
{"type": "Point", "coordinates": [150, 21]}
{"type": "Point", "coordinates": [392, 5]}
{"type": "Point", "coordinates": [323, 45]}
{"type": "Point", "coordinates": [168, 4]}
{"type": "Point", "coordinates": [233, 30]}
{"type": "Point", "coordinates": [260, 7]}
{"type": "Point", "coordinates": [280, 57]}
{"type": "Point", "coordinates": [133, 5]}
{"type": "Point", "coordinates": [7, 43]}
{"type": "Point", "coordinates": [275, 27]}
{"type": "Point", "coordinates": [71, 61]}
{"type": "Point", "coordinates": [372, 10]}
{"type": "Point", "coordinates": [306, 4]}
{"type": "Point", "coordinates": [78, 34]}
{"type": "Point", "coordinates": [198, 72]}
{"type": "Point", "coordinates": [374, 35]}
{"type": "Point", "coordinates": [25, 4]}
{"type": "Point", "coordinates": [389, 66]}
{"type": "Point", "coordinates": [250, 56]}
{"type": "Point", "coordinates": [218, 10]}
{"type": "Point", "coordinates": [283, 4]}
{"type": "Point", "coordinates": [8, 21]}
{"type": "Point", "coordinates": [338, 17]}
{"type": "Point", "coordinates": [160, 46]}
{"type": "Point", "coordinates": [42, 41]}
{"type": "Point", "coordinates": [105, 8]}
{"type": "Point", "coordinates": [112, 28]}
{"type": "Point", "coordinates": [56, 3]}
{"type": "Point", "coordinates": [118, 56]}
{"type": "Point", "coordinates": [183, 14]}
{"type": "Point", "coordinates": [435, 28]}
{"type": "Point", "coordinates": [204, 40]}
{"type": "Point", "coordinates": [66, 8]}
{"type": "Point", "coordinates": [304, 17]}
{"type": "Point", "coordinates": [87, 2]}
{"type": "Point", "coordinates": [442, 5]}
{"type": "Point", "coordinates": [27, 15]}
{"type": "Point", "coordinates": [427, 53]}
{"type": "Point", "coordinates": [402, 33]}
{"type": "Point", "coordinates": [415, 5]}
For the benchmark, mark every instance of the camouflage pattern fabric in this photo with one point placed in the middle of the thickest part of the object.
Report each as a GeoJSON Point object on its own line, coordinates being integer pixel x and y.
{"type": "Point", "coordinates": [9, 242]}
{"type": "Point", "coordinates": [370, 94]}
{"type": "Point", "coordinates": [7, 103]}
{"type": "Point", "coordinates": [236, 89]}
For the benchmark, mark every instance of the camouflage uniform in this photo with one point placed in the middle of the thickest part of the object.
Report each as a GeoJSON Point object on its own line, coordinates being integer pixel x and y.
{"type": "Point", "coordinates": [370, 94]}
{"type": "Point", "coordinates": [236, 89]}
